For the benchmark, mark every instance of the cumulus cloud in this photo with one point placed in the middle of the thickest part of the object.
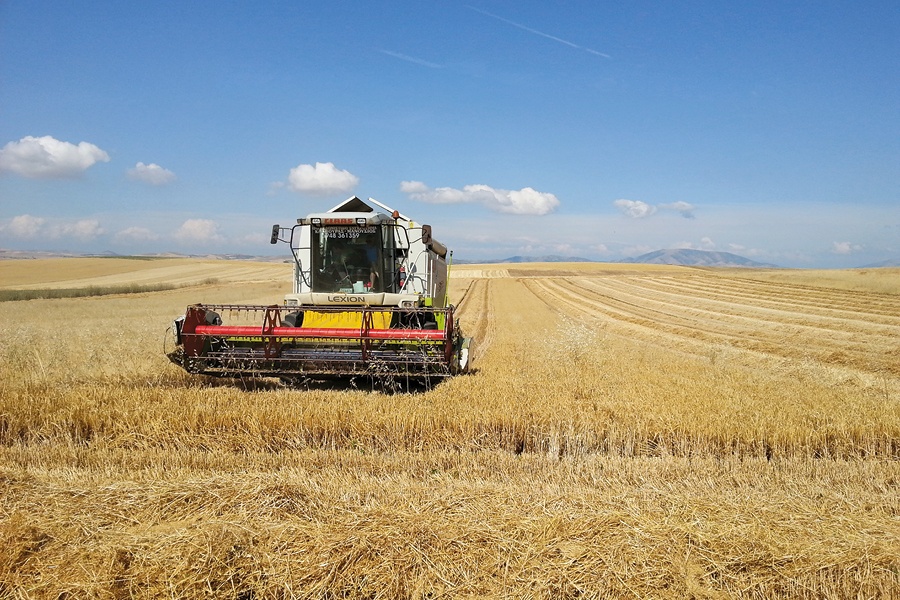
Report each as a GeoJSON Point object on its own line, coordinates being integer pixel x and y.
{"type": "Point", "coordinates": [637, 250]}
{"type": "Point", "coordinates": [48, 158]}
{"type": "Point", "coordinates": [736, 247]}
{"type": "Point", "coordinates": [274, 188]}
{"type": "Point", "coordinates": [25, 227]}
{"type": "Point", "coordinates": [152, 174]}
{"type": "Point", "coordinates": [413, 187]}
{"type": "Point", "coordinates": [323, 179]}
{"type": "Point", "coordinates": [83, 231]}
{"type": "Point", "coordinates": [526, 201]}
{"type": "Point", "coordinates": [686, 209]}
{"type": "Point", "coordinates": [705, 244]}
{"type": "Point", "coordinates": [198, 231]}
{"type": "Point", "coordinates": [134, 234]}
{"type": "Point", "coordinates": [634, 208]}
{"type": "Point", "coordinates": [845, 247]}
{"type": "Point", "coordinates": [637, 209]}
{"type": "Point", "coordinates": [28, 227]}
{"type": "Point", "coordinates": [255, 239]}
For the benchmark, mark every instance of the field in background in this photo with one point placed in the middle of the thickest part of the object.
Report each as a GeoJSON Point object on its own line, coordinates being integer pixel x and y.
{"type": "Point", "coordinates": [631, 431]}
{"type": "Point", "coordinates": [60, 273]}
{"type": "Point", "coordinates": [884, 280]}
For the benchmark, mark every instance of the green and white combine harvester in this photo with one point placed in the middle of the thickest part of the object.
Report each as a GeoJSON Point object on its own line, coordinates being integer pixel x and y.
{"type": "Point", "coordinates": [369, 297]}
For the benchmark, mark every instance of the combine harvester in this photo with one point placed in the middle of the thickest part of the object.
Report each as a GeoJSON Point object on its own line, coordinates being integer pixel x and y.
{"type": "Point", "coordinates": [369, 298]}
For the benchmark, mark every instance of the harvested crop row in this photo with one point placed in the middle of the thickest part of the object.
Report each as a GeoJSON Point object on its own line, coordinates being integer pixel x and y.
{"type": "Point", "coordinates": [874, 352]}
{"type": "Point", "coordinates": [475, 314]}
{"type": "Point", "coordinates": [730, 302]}
{"type": "Point", "coordinates": [867, 339]}
{"type": "Point", "coordinates": [849, 300]}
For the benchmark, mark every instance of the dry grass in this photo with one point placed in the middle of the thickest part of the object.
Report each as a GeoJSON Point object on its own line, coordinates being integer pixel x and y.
{"type": "Point", "coordinates": [658, 434]}
{"type": "Point", "coordinates": [110, 272]}
{"type": "Point", "coordinates": [882, 280]}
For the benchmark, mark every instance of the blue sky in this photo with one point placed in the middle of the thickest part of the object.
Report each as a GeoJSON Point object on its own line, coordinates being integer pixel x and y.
{"type": "Point", "coordinates": [602, 130]}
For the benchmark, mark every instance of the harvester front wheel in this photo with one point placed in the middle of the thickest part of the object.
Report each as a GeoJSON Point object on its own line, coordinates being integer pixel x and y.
{"type": "Point", "coordinates": [294, 319]}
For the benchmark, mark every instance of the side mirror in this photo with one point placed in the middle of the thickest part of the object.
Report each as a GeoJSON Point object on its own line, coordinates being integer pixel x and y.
{"type": "Point", "coordinates": [426, 234]}
{"type": "Point", "coordinates": [276, 229]}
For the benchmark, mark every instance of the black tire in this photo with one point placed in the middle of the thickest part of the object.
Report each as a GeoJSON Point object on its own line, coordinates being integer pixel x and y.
{"type": "Point", "coordinates": [294, 319]}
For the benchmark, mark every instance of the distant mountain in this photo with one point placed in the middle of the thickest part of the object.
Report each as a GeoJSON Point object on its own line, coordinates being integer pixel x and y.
{"type": "Point", "coordinates": [891, 262]}
{"type": "Point", "coordinates": [696, 258]}
{"type": "Point", "coordinates": [524, 259]}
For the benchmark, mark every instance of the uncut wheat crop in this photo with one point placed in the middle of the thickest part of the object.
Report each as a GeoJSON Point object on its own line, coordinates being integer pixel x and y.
{"type": "Point", "coordinates": [628, 432]}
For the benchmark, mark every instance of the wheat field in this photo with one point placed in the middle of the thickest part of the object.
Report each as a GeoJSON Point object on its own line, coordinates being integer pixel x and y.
{"type": "Point", "coordinates": [630, 431]}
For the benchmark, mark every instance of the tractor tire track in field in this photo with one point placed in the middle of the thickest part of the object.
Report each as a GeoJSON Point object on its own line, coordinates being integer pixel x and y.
{"type": "Point", "coordinates": [476, 317]}
{"type": "Point", "coordinates": [786, 319]}
{"type": "Point", "coordinates": [864, 341]}
{"type": "Point", "coordinates": [816, 300]}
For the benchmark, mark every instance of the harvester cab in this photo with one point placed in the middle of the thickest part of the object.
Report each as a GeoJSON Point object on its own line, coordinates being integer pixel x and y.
{"type": "Point", "coordinates": [369, 296]}
{"type": "Point", "coordinates": [358, 256]}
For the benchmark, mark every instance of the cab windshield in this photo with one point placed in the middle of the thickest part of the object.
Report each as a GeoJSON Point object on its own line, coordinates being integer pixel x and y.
{"type": "Point", "coordinates": [349, 259]}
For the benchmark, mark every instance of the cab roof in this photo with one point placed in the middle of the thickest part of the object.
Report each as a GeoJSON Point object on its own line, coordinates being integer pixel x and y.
{"type": "Point", "coordinates": [354, 204]}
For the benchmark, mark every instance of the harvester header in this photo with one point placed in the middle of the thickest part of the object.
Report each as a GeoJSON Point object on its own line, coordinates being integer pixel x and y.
{"type": "Point", "coordinates": [369, 296]}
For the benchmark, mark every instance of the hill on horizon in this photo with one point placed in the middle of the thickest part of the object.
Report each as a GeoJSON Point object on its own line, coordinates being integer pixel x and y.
{"type": "Point", "coordinates": [683, 257]}
{"type": "Point", "coordinates": [553, 258]}
{"type": "Point", "coordinates": [891, 262]}
{"type": "Point", "coordinates": [696, 258]}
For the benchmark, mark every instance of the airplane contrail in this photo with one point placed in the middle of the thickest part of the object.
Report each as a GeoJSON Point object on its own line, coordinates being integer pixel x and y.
{"type": "Point", "coordinates": [540, 33]}
{"type": "Point", "coordinates": [411, 59]}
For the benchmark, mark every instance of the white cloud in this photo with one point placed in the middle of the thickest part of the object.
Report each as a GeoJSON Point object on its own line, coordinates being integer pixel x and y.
{"type": "Point", "coordinates": [526, 201]}
{"type": "Point", "coordinates": [323, 179]}
{"type": "Point", "coordinates": [845, 247]}
{"type": "Point", "coordinates": [83, 231]}
{"type": "Point", "coordinates": [255, 239]}
{"type": "Point", "coordinates": [413, 187]}
{"type": "Point", "coordinates": [707, 243]}
{"type": "Point", "coordinates": [49, 158]}
{"type": "Point", "coordinates": [683, 246]}
{"type": "Point", "coordinates": [601, 249]}
{"type": "Point", "coordinates": [686, 209]}
{"type": "Point", "coordinates": [274, 188]}
{"type": "Point", "coordinates": [736, 247]}
{"type": "Point", "coordinates": [152, 174]}
{"type": "Point", "coordinates": [28, 227]}
{"type": "Point", "coordinates": [25, 226]}
{"type": "Point", "coordinates": [134, 234]}
{"type": "Point", "coordinates": [198, 231]}
{"type": "Point", "coordinates": [636, 250]}
{"type": "Point", "coordinates": [637, 209]}
{"type": "Point", "coordinates": [634, 208]}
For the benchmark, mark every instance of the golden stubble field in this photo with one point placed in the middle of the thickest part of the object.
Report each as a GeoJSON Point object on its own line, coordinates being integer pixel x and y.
{"type": "Point", "coordinates": [630, 431]}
